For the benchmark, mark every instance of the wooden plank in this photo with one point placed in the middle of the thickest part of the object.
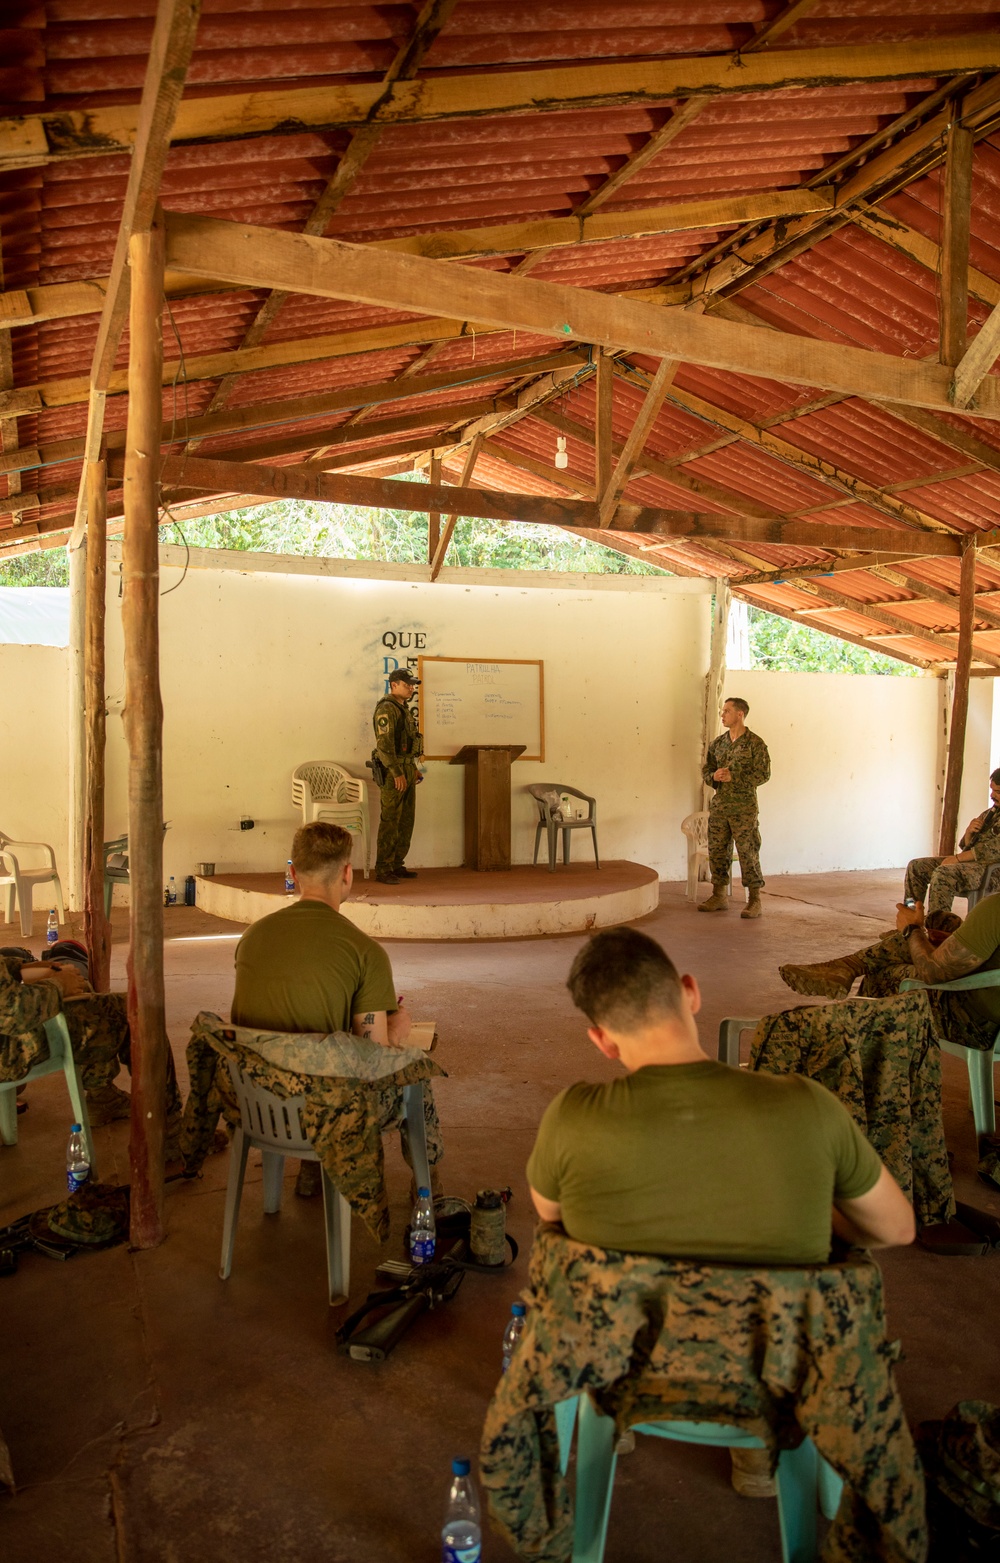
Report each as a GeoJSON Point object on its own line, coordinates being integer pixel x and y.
{"type": "Point", "coordinates": [786, 18]}
{"type": "Point", "coordinates": [448, 529]}
{"type": "Point", "coordinates": [143, 717]}
{"type": "Point", "coordinates": [883, 613]}
{"type": "Point", "coordinates": [747, 594]}
{"type": "Point", "coordinates": [883, 225]}
{"type": "Point", "coordinates": [901, 576]}
{"type": "Point", "coordinates": [956, 217]}
{"type": "Point", "coordinates": [960, 703]}
{"type": "Point", "coordinates": [262, 257]}
{"type": "Point", "coordinates": [640, 431]}
{"type": "Point", "coordinates": [683, 115]}
{"type": "Point", "coordinates": [434, 516]}
{"type": "Point", "coordinates": [603, 436]}
{"type": "Point", "coordinates": [970, 381]}
{"type": "Point", "coordinates": [822, 568]}
{"type": "Point", "coordinates": [97, 929]}
{"type": "Point", "coordinates": [292, 482]}
{"type": "Point", "coordinates": [108, 129]}
{"type": "Point", "coordinates": [9, 438]}
{"type": "Point", "coordinates": [169, 56]}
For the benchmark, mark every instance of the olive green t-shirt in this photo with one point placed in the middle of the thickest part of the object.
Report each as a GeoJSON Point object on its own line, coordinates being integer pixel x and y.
{"type": "Point", "coordinates": [980, 934]}
{"type": "Point", "coordinates": [308, 968]}
{"type": "Point", "coordinates": [702, 1161]}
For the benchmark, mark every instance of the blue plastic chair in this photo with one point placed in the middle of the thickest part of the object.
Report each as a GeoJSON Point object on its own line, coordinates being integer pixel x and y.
{"type": "Point", "coordinates": [979, 1061]}
{"type": "Point", "coordinates": [805, 1480]}
{"type": "Point", "coordinates": [60, 1057]}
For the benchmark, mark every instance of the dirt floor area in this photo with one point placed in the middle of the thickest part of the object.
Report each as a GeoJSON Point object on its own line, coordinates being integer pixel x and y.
{"type": "Point", "coordinates": [156, 1414]}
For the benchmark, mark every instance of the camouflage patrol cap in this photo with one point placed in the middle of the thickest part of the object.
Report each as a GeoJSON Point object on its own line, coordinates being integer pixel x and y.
{"type": "Point", "coordinates": [403, 676]}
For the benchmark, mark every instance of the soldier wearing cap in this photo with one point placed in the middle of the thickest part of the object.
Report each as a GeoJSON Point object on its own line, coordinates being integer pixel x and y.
{"type": "Point", "coordinates": [398, 746]}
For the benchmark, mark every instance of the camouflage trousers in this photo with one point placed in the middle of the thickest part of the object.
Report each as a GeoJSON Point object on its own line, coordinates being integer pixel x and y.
{"type": "Point", "coordinates": [780, 1352]}
{"type": "Point", "coordinates": [886, 966]}
{"type": "Point", "coordinates": [728, 823]}
{"type": "Point", "coordinates": [881, 1058]}
{"type": "Point", "coordinates": [926, 878]}
{"type": "Point", "coordinates": [395, 825]}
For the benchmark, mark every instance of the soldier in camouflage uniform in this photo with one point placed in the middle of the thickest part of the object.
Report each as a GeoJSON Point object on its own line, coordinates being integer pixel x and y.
{"type": "Point", "coordinates": [398, 745]}
{"type": "Point", "coordinates": [782, 1353]}
{"type": "Point", "coordinates": [737, 764]}
{"type": "Point", "coordinates": [940, 879]}
{"type": "Point", "coordinates": [882, 967]}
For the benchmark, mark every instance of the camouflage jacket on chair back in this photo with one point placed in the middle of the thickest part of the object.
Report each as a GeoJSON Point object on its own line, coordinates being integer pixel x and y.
{"type": "Point", "coordinates": [343, 1116]}
{"type": "Point", "coordinates": [780, 1352]}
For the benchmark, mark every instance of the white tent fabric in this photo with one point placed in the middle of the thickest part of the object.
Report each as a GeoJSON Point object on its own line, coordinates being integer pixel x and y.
{"type": "Point", "coordinates": [34, 615]}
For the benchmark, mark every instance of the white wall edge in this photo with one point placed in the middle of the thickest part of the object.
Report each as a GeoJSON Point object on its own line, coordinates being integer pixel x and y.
{"type": "Point", "coordinates": [174, 557]}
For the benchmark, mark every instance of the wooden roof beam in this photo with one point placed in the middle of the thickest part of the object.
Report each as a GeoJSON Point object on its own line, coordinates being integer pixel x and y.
{"type": "Point", "coordinates": [956, 222]}
{"type": "Point", "coordinates": [27, 141]}
{"type": "Point", "coordinates": [738, 590]}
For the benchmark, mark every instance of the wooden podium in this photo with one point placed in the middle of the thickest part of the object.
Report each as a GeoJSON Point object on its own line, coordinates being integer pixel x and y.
{"type": "Point", "coordinates": [487, 803]}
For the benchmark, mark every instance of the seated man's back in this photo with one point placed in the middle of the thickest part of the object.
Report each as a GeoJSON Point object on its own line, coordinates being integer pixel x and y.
{"type": "Point", "coordinates": [308, 968]}
{"type": "Point", "coordinates": [686, 1156]}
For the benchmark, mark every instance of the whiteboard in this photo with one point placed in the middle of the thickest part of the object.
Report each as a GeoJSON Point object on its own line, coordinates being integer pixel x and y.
{"type": "Point", "coordinates": [478, 702]}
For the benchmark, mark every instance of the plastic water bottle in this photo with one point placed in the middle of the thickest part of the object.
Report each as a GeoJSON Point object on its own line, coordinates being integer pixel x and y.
{"type": "Point", "coordinates": [52, 928]}
{"type": "Point", "coordinates": [172, 891]}
{"type": "Point", "coordinates": [423, 1235]}
{"type": "Point", "coordinates": [289, 879]}
{"type": "Point", "coordinates": [461, 1535]}
{"type": "Point", "coordinates": [77, 1159]}
{"type": "Point", "coordinates": [512, 1334]}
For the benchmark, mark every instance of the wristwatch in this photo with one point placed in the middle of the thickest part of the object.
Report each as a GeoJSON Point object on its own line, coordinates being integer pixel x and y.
{"type": "Point", "coordinates": [910, 928]}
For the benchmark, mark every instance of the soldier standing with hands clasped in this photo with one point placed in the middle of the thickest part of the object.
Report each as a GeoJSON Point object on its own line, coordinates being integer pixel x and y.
{"type": "Point", "coordinates": [398, 745]}
{"type": "Point", "coordinates": [737, 764]}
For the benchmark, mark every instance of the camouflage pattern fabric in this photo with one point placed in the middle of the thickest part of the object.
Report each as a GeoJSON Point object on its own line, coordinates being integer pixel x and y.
{"type": "Point", "coordinates": [962, 1457]}
{"type": "Point", "coordinates": [781, 1353]}
{"type": "Point", "coordinates": [881, 1058]}
{"type": "Point", "coordinates": [97, 1024]}
{"type": "Point", "coordinates": [886, 965]}
{"type": "Point", "coordinates": [344, 1118]}
{"type": "Point", "coordinates": [728, 823]}
{"type": "Point", "coordinates": [732, 814]}
{"type": "Point", "coordinates": [926, 880]}
{"type": "Point", "coordinates": [983, 838]}
{"type": "Point", "coordinates": [399, 745]}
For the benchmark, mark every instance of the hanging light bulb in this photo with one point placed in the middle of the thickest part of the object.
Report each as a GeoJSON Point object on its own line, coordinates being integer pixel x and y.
{"type": "Point", "coordinates": [562, 460]}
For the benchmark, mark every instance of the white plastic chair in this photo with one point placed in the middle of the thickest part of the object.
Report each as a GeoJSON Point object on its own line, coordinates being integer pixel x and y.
{"type": "Point", "coordinates": [695, 828]}
{"type": "Point", "coordinates": [323, 790]}
{"type": "Point", "coordinates": [60, 1057]}
{"type": "Point", "coordinates": [20, 881]}
{"type": "Point", "coordinates": [273, 1125]}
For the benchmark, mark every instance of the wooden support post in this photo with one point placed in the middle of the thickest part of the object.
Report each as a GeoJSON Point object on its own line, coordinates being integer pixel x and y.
{"type": "Point", "coordinates": [144, 733]}
{"type": "Point", "coordinates": [603, 435]}
{"type": "Point", "coordinates": [438, 558]}
{"type": "Point", "coordinates": [434, 517]}
{"type": "Point", "coordinates": [97, 927]}
{"type": "Point", "coordinates": [960, 701]}
{"type": "Point", "coordinates": [77, 800]}
{"type": "Point", "coordinates": [956, 216]}
{"type": "Point", "coordinates": [716, 673]}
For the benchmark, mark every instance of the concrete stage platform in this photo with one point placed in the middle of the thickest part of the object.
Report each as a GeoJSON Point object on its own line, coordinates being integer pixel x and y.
{"type": "Point", "coordinates": [459, 903]}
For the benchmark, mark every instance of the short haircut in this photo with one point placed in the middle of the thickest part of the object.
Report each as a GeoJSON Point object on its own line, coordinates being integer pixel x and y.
{"type": "Point", "coordinates": [995, 776]}
{"type": "Point", "coordinates": [321, 849]}
{"type": "Point", "coordinates": [741, 705]}
{"type": "Point", "coordinates": [622, 979]}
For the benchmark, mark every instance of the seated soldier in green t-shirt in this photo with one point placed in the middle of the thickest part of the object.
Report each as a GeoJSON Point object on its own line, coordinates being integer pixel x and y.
{"type": "Point", "coordinates": [309, 968]}
{"type": "Point", "coordinates": [685, 1155]}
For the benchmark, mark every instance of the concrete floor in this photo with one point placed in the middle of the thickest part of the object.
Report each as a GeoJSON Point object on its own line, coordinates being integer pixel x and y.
{"type": "Point", "coordinates": [158, 1415]}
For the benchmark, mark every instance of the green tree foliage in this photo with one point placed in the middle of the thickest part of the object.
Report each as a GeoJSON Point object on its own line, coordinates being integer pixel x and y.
{"type": "Point", "coordinates": [48, 568]}
{"type": "Point", "coordinates": [782, 647]}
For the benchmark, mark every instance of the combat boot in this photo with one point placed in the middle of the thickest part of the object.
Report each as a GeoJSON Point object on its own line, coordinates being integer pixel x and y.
{"type": "Point", "coordinates": [753, 907]}
{"type": "Point", "coordinates": [751, 1475]}
{"type": "Point", "coordinates": [106, 1104]}
{"type": "Point", "coordinates": [827, 979]}
{"type": "Point", "coordinates": [718, 901]}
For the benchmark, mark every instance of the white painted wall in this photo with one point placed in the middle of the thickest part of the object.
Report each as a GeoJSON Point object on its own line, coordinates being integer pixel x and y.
{"type": "Point", "coordinates": [263, 670]}
{"type": "Point", "coordinates": [34, 753]}
{"type": "Point", "coordinates": [855, 760]}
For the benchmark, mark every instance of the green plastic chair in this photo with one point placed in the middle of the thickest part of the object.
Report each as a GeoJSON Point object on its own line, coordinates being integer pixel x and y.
{"type": "Point", "coordinates": [806, 1482]}
{"type": "Point", "coordinates": [979, 1061]}
{"type": "Point", "coordinates": [60, 1057]}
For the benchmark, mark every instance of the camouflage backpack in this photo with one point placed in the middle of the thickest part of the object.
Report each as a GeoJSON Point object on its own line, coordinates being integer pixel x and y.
{"type": "Point", "coordinates": [961, 1457]}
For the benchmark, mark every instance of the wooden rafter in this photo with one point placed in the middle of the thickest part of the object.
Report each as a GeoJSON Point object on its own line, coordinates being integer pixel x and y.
{"type": "Point", "coordinates": [638, 435]}
{"type": "Point", "coordinates": [881, 224]}
{"type": "Point", "coordinates": [447, 531]}
{"type": "Point", "coordinates": [900, 575]}
{"type": "Point", "coordinates": [169, 55]}
{"type": "Point", "coordinates": [971, 373]}
{"type": "Point", "coordinates": [883, 613]}
{"type": "Point", "coordinates": [27, 141]}
{"type": "Point", "coordinates": [956, 223]}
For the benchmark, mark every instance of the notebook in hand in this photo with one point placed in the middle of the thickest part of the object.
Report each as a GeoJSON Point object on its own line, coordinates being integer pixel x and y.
{"type": "Point", "coordinates": [423, 1034]}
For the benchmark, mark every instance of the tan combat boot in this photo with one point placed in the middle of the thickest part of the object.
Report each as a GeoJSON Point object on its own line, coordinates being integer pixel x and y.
{"type": "Point", "coordinates": [718, 901]}
{"type": "Point", "coordinates": [752, 1473]}
{"type": "Point", "coordinates": [753, 907]}
{"type": "Point", "coordinates": [827, 979]}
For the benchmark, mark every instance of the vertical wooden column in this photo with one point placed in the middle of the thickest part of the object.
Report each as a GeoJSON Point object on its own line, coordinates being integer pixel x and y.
{"type": "Point", "coordinates": [434, 519]}
{"type": "Point", "coordinates": [77, 801]}
{"type": "Point", "coordinates": [96, 925]}
{"type": "Point", "coordinates": [715, 683]}
{"type": "Point", "coordinates": [144, 733]}
{"type": "Point", "coordinates": [956, 217]}
{"type": "Point", "coordinates": [960, 701]}
{"type": "Point", "coordinates": [602, 424]}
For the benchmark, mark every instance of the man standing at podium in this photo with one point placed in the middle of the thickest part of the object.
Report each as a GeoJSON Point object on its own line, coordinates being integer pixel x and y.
{"type": "Point", "coordinates": [398, 746]}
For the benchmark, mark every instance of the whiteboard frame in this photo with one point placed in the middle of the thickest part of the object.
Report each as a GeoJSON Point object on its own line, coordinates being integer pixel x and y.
{"type": "Point", "coordinates": [524, 662]}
